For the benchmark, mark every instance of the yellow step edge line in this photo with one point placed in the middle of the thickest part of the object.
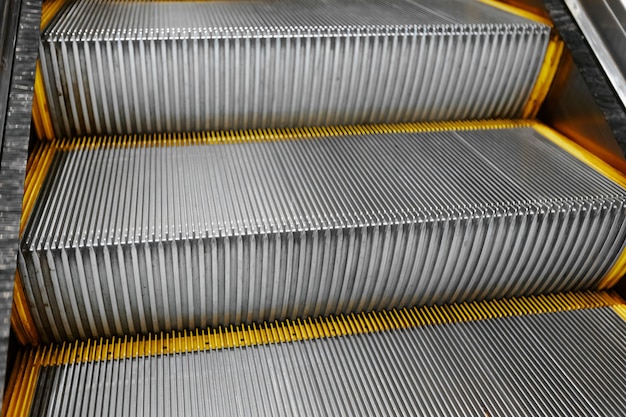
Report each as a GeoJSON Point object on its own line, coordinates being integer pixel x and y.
{"type": "Point", "coordinates": [620, 306]}
{"type": "Point", "coordinates": [38, 164]}
{"type": "Point", "coordinates": [620, 310]}
{"type": "Point", "coordinates": [550, 63]}
{"type": "Point", "coordinates": [13, 384]}
{"type": "Point", "coordinates": [49, 9]}
{"type": "Point", "coordinates": [29, 362]}
{"type": "Point", "coordinates": [40, 112]}
{"type": "Point", "coordinates": [332, 326]}
{"type": "Point", "coordinates": [544, 80]}
{"type": "Point", "coordinates": [518, 11]}
{"type": "Point", "coordinates": [21, 319]}
{"type": "Point", "coordinates": [581, 153]}
{"type": "Point", "coordinates": [271, 135]}
{"type": "Point", "coordinates": [26, 370]}
{"type": "Point", "coordinates": [618, 270]}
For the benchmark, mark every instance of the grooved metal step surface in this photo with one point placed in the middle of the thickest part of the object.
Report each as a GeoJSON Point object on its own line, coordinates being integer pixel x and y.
{"type": "Point", "coordinates": [154, 66]}
{"type": "Point", "coordinates": [558, 364]}
{"type": "Point", "coordinates": [149, 234]}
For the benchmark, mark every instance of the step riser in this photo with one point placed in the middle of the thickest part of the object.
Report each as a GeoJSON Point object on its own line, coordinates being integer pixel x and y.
{"type": "Point", "coordinates": [194, 235]}
{"type": "Point", "coordinates": [189, 284]}
{"type": "Point", "coordinates": [234, 71]}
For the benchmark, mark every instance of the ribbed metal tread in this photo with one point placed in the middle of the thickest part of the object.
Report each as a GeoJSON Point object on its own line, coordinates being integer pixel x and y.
{"type": "Point", "coordinates": [153, 66]}
{"type": "Point", "coordinates": [154, 234]}
{"type": "Point", "coordinates": [558, 360]}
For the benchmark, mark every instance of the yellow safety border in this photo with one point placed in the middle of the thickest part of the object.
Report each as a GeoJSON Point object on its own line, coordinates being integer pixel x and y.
{"type": "Point", "coordinates": [581, 153]}
{"type": "Point", "coordinates": [518, 11]}
{"type": "Point", "coordinates": [23, 379]}
{"type": "Point", "coordinates": [545, 78]}
{"type": "Point", "coordinates": [620, 310]}
{"type": "Point", "coordinates": [18, 398]}
{"type": "Point", "coordinates": [550, 62]}
{"type": "Point", "coordinates": [618, 270]}
{"type": "Point", "coordinates": [49, 9]}
{"type": "Point", "coordinates": [21, 319]}
{"type": "Point", "coordinates": [318, 328]}
{"type": "Point", "coordinates": [271, 135]}
{"type": "Point", "coordinates": [41, 113]}
{"type": "Point", "coordinates": [36, 170]}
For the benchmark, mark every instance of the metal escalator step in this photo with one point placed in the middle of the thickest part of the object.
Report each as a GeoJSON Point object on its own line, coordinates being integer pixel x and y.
{"type": "Point", "coordinates": [147, 234]}
{"type": "Point", "coordinates": [153, 66]}
{"type": "Point", "coordinates": [561, 355]}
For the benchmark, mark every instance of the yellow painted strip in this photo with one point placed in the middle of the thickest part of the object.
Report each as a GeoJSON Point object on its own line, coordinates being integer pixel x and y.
{"type": "Point", "coordinates": [618, 270]}
{"type": "Point", "coordinates": [32, 374]}
{"type": "Point", "coordinates": [12, 400]}
{"type": "Point", "coordinates": [22, 384]}
{"type": "Point", "coordinates": [39, 162]}
{"type": "Point", "coordinates": [26, 372]}
{"type": "Point", "coordinates": [518, 12]}
{"type": "Point", "coordinates": [545, 78]}
{"type": "Point", "coordinates": [620, 310]}
{"type": "Point", "coordinates": [37, 122]}
{"type": "Point", "coordinates": [41, 113]}
{"type": "Point", "coordinates": [271, 135]}
{"type": "Point", "coordinates": [581, 153]}
{"type": "Point", "coordinates": [21, 319]}
{"type": "Point", "coordinates": [37, 168]}
{"type": "Point", "coordinates": [13, 384]}
{"type": "Point", "coordinates": [49, 9]}
{"type": "Point", "coordinates": [550, 62]}
{"type": "Point", "coordinates": [333, 326]}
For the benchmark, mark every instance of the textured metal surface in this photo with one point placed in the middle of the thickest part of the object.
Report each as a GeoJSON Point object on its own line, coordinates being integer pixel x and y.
{"type": "Point", "coordinates": [9, 18]}
{"type": "Point", "coordinates": [559, 364]}
{"type": "Point", "coordinates": [570, 108]}
{"type": "Point", "coordinates": [603, 23]}
{"type": "Point", "coordinates": [145, 237]}
{"type": "Point", "coordinates": [590, 69]}
{"type": "Point", "coordinates": [133, 67]}
{"type": "Point", "coordinates": [20, 31]}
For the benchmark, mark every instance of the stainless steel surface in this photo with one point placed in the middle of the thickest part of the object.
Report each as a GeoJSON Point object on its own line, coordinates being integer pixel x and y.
{"type": "Point", "coordinates": [19, 33]}
{"type": "Point", "coordinates": [559, 364]}
{"type": "Point", "coordinates": [133, 67]}
{"type": "Point", "coordinates": [603, 22]}
{"type": "Point", "coordinates": [571, 109]}
{"type": "Point", "coordinates": [149, 238]}
{"type": "Point", "coordinates": [9, 19]}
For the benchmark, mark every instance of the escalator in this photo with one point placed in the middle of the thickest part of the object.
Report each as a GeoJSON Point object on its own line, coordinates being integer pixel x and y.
{"type": "Point", "coordinates": [298, 207]}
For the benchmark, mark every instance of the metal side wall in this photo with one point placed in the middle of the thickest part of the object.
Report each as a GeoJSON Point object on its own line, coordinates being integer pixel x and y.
{"type": "Point", "coordinates": [18, 54]}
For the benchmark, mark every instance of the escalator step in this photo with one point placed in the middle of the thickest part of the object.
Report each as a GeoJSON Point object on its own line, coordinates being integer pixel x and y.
{"type": "Point", "coordinates": [159, 66]}
{"type": "Point", "coordinates": [560, 355]}
{"type": "Point", "coordinates": [146, 234]}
